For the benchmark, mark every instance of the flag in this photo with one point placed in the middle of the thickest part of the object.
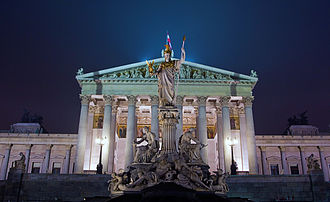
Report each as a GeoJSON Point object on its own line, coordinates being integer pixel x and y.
{"type": "Point", "coordinates": [169, 40]}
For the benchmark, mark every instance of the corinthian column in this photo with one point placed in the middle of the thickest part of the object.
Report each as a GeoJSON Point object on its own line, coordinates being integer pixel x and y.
{"type": "Point", "coordinates": [5, 161]}
{"type": "Point", "coordinates": [82, 133]}
{"type": "Point", "coordinates": [220, 140]}
{"type": "Point", "coordinates": [130, 135]}
{"type": "Point", "coordinates": [179, 129]}
{"type": "Point", "coordinates": [106, 131]}
{"type": "Point", "coordinates": [112, 138]}
{"type": "Point", "coordinates": [154, 116]}
{"type": "Point", "coordinates": [202, 129]}
{"type": "Point", "coordinates": [27, 156]}
{"type": "Point", "coordinates": [224, 103]}
{"type": "Point", "coordinates": [250, 136]}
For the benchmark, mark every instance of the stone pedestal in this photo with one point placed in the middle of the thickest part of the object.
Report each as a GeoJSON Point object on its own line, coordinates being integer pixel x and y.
{"type": "Point", "coordinates": [168, 118]}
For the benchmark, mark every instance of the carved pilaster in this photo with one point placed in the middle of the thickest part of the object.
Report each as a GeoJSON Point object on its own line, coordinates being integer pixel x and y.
{"type": "Point", "coordinates": [131, 99]}
{"type": "Point", "coordinates": [154, 100]}
{"type": "Point", "coordinates": [107, 99]}
{"type": "Point", "coordinates": [201, 100]}
{"type": "Point", "coordinates": [85, 99]}
{"type": "Point", "coordinates": [248, 101]}
{"type": "Point", "coordinates": [179, 100]}
{"type": "Point", "coordinates": [224, 101]}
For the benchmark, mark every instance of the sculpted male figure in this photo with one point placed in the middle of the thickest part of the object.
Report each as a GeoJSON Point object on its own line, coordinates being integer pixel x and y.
{"type": "Point", "coordinates": [166, 76]}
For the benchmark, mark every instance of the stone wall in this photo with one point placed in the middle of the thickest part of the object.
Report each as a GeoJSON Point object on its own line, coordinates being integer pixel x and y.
{"type": "Point", "coordinates": [49, 187]}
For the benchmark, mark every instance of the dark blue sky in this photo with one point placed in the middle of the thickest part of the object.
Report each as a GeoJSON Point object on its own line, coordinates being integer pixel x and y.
{"type": "Point", "coordinates": [43, 43]}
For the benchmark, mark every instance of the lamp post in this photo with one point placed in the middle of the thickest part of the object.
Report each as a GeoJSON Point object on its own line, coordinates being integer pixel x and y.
{"type": "Point", "coordinates": [231, 142]}
{"type": "Point", "coordinates": [101, 142]}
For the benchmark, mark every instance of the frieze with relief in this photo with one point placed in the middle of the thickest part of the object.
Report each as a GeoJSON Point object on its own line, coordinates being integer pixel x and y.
{"type": "Point", "coordinates": [186, 72]}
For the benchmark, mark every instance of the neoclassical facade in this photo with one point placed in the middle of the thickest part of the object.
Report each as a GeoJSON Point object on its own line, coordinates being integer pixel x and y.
{"type": "Point", "coordinates": [116, 103]}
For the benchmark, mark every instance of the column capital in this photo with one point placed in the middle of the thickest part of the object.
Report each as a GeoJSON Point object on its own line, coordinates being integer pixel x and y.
{"type": "Point", "coordinates": [28, 146]}
{"type": "Point", "coordinates": [201, 100]}
{"type": "Point", "coordinates": [107, 99]}
{"type": "Point", "coordinates": [224, 101]}
{"type": "Point", "coordinates": [131, 99]}
{"type": "Point", "coordinates": [154, 100]}
{"type": "Point", "coordinates": [68, 147]}
{"type": "Point", "coordinates": [262, 148]}
{"type": "Point", "coordinates": [301, 148]}
{"type": "Point", "coordinates": [248, 101]}
{"type": "Point", "coordinates": [85, 99]}
{"type": "Point", "coordinates": [179, 100]}
{"type": "Point", "coordinates": [321, 149]}
{"type": "Point", "coordinates": [49, 146]}
{"type": "Point", "coordinates": [282, 148]}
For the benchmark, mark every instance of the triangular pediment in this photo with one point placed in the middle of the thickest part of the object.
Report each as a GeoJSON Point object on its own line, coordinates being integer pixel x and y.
{"type": "Point", "coordinates": [189, 71]}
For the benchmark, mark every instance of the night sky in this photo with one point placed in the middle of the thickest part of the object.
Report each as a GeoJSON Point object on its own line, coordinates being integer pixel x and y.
{"type": "Point", "coordinates": [43, 43]}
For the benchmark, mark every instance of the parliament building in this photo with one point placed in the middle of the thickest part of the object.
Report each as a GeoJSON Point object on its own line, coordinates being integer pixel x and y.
{"type": "Point", "coordinates": [116, 103]}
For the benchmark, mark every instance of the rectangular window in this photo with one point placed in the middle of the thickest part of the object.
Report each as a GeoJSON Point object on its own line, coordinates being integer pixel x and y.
{"type": "Point", "coordinates": [294, 169]}
{"type": "Point", "coordinates": [56, 168]}
{"type": "Point", "coordinates": [274, 169]}
{"type": "Point", "coordinates": [36, 167]}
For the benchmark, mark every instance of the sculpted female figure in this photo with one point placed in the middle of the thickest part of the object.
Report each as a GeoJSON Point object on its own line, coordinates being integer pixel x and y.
{"type": "Point", "coordinates": [166, 76]}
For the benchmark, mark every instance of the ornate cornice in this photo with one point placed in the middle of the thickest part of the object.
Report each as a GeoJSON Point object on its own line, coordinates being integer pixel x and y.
{"type": "Point", "coordinates": [85, 99]}
{"type": "Point", "coordinates": [154, 100]}
{"type": "Point", "coordinates": [201, 100]}
{"type": "Point", "coordinates": [224, 101]}
{"type": "Point", "coordinates": [248, 101]}
{"type": "Point", "coordinates": [107, 99]}
{"type": "Point", "coordinates": [131, 99]}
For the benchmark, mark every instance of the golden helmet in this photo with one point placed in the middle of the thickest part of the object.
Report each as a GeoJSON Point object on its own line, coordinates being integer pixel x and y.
{"type": "Point", "coordinates": [167, 49]}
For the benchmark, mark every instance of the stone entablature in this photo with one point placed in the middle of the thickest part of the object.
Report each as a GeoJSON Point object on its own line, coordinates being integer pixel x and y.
{"type": "Point", "coordinates": [33, 138]}
{"type": "Point", "coordinates": [288, 140]}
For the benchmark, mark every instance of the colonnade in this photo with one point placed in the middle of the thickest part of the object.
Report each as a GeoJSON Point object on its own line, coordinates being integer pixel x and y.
{"type": "Point", "coordinates": [223, 130]}
{"type": "Point", "coordinates": [284, 162]}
